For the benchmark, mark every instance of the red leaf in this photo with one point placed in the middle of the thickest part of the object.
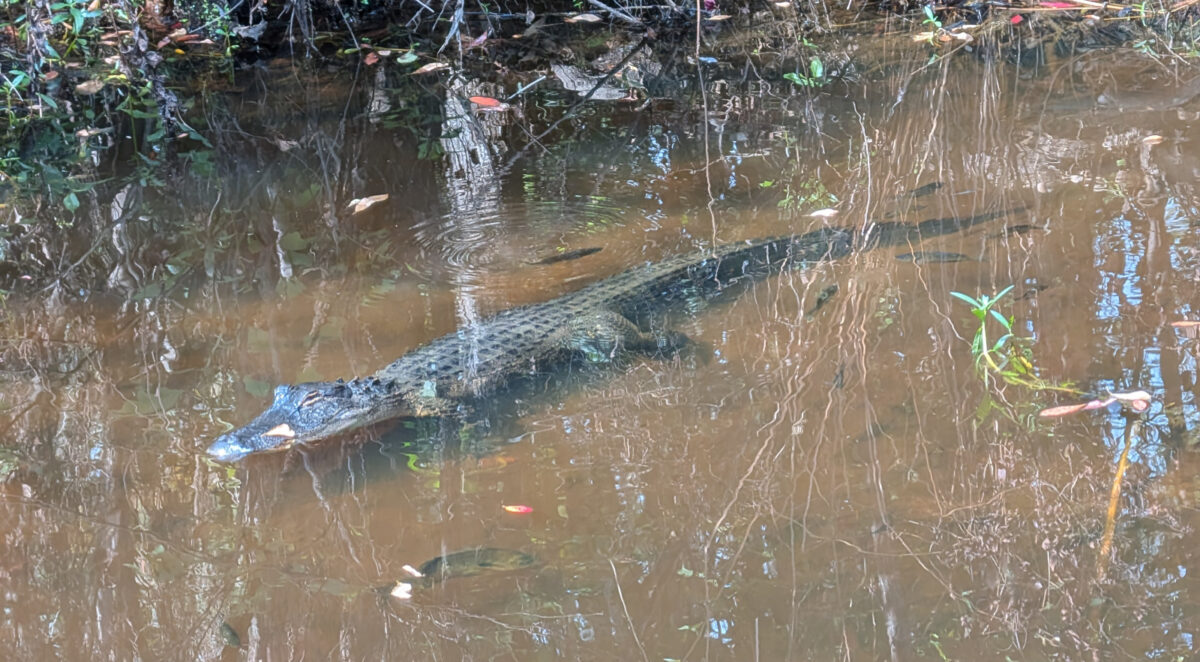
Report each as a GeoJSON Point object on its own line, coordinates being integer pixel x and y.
{"type": "Point", "coordinates": [1065, 410]}
{"type": "Point", "coordinates": [486, 102]}
{"type": "Point", "coordinates": [518, 509]}
{"type": "Point", "coordinates": [371, 58]}
{"type": "Point", "coordinates": [1015, 19]}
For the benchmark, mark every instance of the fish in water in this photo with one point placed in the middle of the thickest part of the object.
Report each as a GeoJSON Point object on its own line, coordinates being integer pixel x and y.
{"type": "Point", "coordinates": [229, 635]}
{"type": "Point", "coordinates": [922, 191]}
{"type": "Point", "coordinates": [822, 298]}
{"type": "Point", "coordinates": [472, 562]}
{"type": "Point", "coordinates": [567, 256]}
{"type": "Point", "coordinates": [929, 257]}
{"type": "Point", "coordinates": [1016, 229]}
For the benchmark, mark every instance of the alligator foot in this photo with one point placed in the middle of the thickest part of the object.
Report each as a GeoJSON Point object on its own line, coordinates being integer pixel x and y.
{"type": "Point", "coordinates": [603, 336]}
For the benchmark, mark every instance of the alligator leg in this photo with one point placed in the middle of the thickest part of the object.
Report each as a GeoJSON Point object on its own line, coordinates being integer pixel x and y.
{"type": "Point", "coordinates": [602, 336]}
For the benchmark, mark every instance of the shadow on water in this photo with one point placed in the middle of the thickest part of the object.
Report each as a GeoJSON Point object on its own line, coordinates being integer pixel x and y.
{"type": "Point", "coordinates": [827, 477]}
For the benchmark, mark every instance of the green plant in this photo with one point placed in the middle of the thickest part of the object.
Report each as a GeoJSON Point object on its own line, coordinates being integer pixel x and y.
{"type": "Point", "coordinates": [1009, 357]}
{"type": "Point", "coordinates": [815, 76]}
{"type": "Point", "coordinates": [931, 18]}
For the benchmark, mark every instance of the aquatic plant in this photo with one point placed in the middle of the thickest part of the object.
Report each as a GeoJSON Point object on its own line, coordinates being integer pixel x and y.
{"type": "Point", "coordinates": [1008, 358]}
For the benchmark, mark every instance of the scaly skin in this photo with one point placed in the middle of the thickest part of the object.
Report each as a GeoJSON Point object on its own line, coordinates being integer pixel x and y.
{"type": "Point", "coordinates": [599, 321]}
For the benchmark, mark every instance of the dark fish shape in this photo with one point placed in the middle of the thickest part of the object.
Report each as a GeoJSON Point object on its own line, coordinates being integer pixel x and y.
{"type": "Point", "coordinates": [822, 298]}
{"type": "Point", "coordinates": [922, 191]}
{"type": "Point", "coordinates": [229, 635]}
{"type": "Point", "coordinates": [1033, 290]}
{"type": "Point", "coordinates": [929, 257]}
{"type": "Point", "coordinates": [1016, 229]}
{"type": "Point", "coordinates": [472, 562]}
{"type": "Point", "coordinates": [567, 256]}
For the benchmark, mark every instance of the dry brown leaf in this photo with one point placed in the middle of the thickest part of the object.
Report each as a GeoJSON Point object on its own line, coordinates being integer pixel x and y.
{"type": "Point", "coordinates": [583, 18]}
{"type": "Point", "coordinates": [89, 87]}
{"type": "Point", "coordinates": [359, 205]}
{"type": "Point", "coordinates": [431, 67]}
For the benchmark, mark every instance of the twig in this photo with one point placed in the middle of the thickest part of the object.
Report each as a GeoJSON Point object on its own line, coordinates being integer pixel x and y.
{"type": "Point", "coordinates": [615, 12]}
{"type": "Point", "coordinates": [629, 620]}
{"type": "Point", "coordinates": [1132, 431]}
{"type": "Point", "coordinates": [571, 111]}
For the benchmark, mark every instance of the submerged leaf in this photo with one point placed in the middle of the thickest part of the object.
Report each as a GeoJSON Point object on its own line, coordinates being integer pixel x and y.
{"type": "Point", "coordinates": [518, 509]}
{"type": "Point", "coordinates": [359, 205]}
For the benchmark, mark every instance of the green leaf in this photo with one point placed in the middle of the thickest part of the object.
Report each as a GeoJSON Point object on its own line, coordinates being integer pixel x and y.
{"type": "Point", "coordinates": [292, 241]}
{"type": "Point", "coordinates": [1002, 319]}
{"type": "Point", "coordinates": [407, 58]}
{"type": "Point", "coordinates": [817, 68]}
{"type": "Point", "coordinates": [71, 201]}
{"type": "Point", "coordinates": [974, 302]}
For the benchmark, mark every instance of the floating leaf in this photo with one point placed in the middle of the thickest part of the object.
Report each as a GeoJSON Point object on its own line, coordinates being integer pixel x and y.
{"type": "Point", "coordinates": [431, 67]}
{"type": "Point", "coordinates": [359, 205]}
{"type": "Point", "coordinates": [407, 58]}
{"type": "Point", "coordinates": [824, 213]}
{"type": "Point", "coordinates": [1152, 139]}
{"type": "Point", "coordinates": [1064, 410]}
{"type": "Point", "coordinates": [401, 591]}
{"type": "Point", "coordinates": [487, 102]}
{"type": "Point", "coordinates": [583, 18]}
{"type": "Point", "coordinates": [371, 58]}
{"type": "Point", "coordinates": [1185, 324]}
{"type": "Point", "coordinates": [719, 17]}
{"type": "Point", "coordinates": [518, 509]}
{"type": "Point", "coordinates": [1131, 396]}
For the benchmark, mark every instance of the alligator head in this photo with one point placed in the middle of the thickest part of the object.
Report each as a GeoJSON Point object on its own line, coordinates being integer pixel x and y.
{"type": "Point", "coordinates": [308, 412]}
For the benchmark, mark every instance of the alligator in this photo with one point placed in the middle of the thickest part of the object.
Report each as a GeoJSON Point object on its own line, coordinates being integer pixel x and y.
{"type": "Point", "coordinates": [598, 323]}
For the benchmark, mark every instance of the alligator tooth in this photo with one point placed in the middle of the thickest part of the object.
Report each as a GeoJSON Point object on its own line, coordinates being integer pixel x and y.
{"type": "Point", "coordinates": [282, 430]}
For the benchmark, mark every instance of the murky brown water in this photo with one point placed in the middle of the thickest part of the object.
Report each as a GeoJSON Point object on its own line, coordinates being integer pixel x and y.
{"type": "Point", "coordinates": [843, 486]}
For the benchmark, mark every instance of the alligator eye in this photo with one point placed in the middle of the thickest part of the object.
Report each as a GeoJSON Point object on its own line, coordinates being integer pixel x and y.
{"type": "Point", "coordinates": [312, 398]}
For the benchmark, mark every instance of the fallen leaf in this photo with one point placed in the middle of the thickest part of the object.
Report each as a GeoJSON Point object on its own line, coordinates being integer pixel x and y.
{"type": "Point", "coordinates": [1152, 139]}
{"type": "Point", "coordinates": [519, 510]}
{"type": "Point", "coordinates": [718, 17]}
{"type": "Point", "coordinates": [371, 58]}
{"type": "Point", "coordinates": [1016, 19]}
{"type": "Point", "coordinates": [359, 205]}
{"type": "Point", "coordinates": [583, 18]}
{"type": "Point", "coordinates": [431, 67]}
{"type": "Point", "coordinates": [477, 42]}
{"type": "Point", "coordinates": [486, 101]}
{"type": "Point", "coordinates": [89, 87]}
{"type": "Point", "coordinates": [824, 213]}
{"type": "Point", "coordinates": [402, 591]}
{"type": "Point", "coordinates": [1064, 410]}
{"type": "Point", "coordinates": [50, 75]}
{"type": "Point", "coordinates": [411, 570]}
{"type": "Point", "coordinates": [1185, 324]}
{"type": "Point", "coordinates": [1131, 396]}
